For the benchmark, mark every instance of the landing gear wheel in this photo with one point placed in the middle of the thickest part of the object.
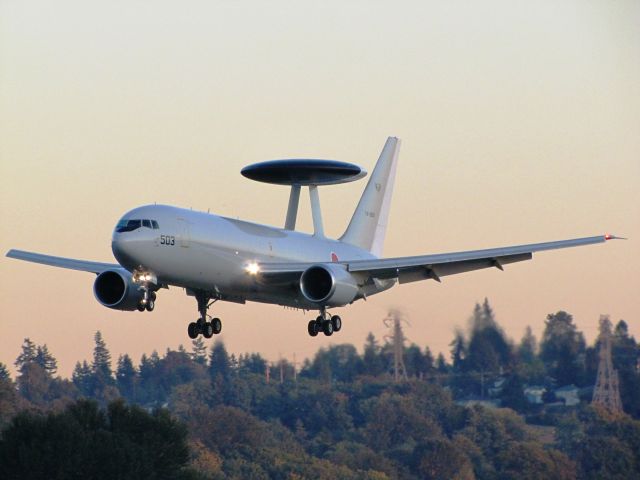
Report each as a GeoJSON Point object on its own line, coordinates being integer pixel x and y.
{"type": "Point", "coordinates": [337, 323]}
{"type": "Point", "coordinates": [207, 331]}
{"type": "Point", "coordinates": [312, 328]}
{"type": "Point", "coordinates": [201, 325]}
{"type": "Point", "coordinates": [192, 330]}
{"type": "Point", "coordinates": [216, 325]}
{"type": "Point", "coordinates": [327, 328]}
{"type": "Point", "coordinates": [140, 307]}
{"type": "Point", "coordinates": [151, 304]}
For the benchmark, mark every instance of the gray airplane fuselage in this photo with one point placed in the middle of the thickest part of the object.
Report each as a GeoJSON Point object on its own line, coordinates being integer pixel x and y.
{"type": "Point", "coordinates": [198, 250]}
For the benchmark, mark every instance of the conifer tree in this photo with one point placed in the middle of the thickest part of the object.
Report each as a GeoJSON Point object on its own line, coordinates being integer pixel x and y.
{"type": "Point", "coordinates": [219, 364]}
{"type": "Point", "coordinates": [372, 357]}
{"type": "Point", "coordinates": [528, 346]}
{"type": "Point", "coordinates": [46, 361]}
{"type": "Point", "coordinates": [101, 365]}
{"type": "Point", "coordinates": [458, 351]}
{"type": "Point", "coordinates": [4, 373]}
{"type": "Point", "coordinates": [82, 378]}
{"type": "Point", "coordinates": [154, 358]}
{"type": "Point", "coordinates": [126, 377]}
{"type": "Point", "coordinates": [563, 349]}
{"type": "Point", "coordinates": [441, 364]}
{"type": "Point", "coordinates": [199, 351]}
{"type": "Point", "coordinates": [488, 349]}
{"type": "Point", "coordinates": [27, 355]}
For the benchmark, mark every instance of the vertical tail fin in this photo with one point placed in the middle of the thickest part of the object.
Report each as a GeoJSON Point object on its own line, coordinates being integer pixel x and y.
{"type": "Point", "coordinates": [368, 225]}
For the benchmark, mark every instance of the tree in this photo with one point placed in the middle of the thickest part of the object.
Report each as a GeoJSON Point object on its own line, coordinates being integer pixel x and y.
{"type": "Point", "coordinates": [626, 355]}
{"type": "Point", "coordinates": [46, 361]}
{"type": "Point", "coordinates": [562, 349]}
{"type": "Point", "coordinates": [394, 420]}
{"type": "Point", "coordinates": [252, 363]}
{"type": "Point", "coordinates": [126, 377]}
{"type": "Point", "coordinates": [33, 380]}
{"type": "Point", "coordinates": [4, 373]}
{"type": "Point", "coordinates": [82, 378]}
{"type": "Point", "coordinates": [513, 394]}
{"type": "Point", "coordinates": [338, 362]}
{"type": "Point", "coordinates": [416, 362]}
{"type": "Point", "coordinates": [219, 364]}
{"type": "Point", "coordinates": [531, 461]}
{"type": "Point", "coordinates": [458, 351]}
{"type": "Point", "coordinates": [33, 384]}
{"type": "Point", "coordinates": [199, 349]}
{"type": "Point", "coordinates": [441, 364]}
{"type": "Point", "coordinates": [85, 442]}
{"type": "Point", "coordinates": [528, 347]}
{"type": "Point", "coordinates": [10, 402]}
{"type": "Point", "coordinates": [488, 349]}
{"type": "Point", "coordinates": [373, 363]}
{"type": "Point", "coordinates": [437, 458]}
{"type": "Point", "coordinates": [101, 365]}
{"type": "Point", "coordinates": [27, 355]}
{"type": "Point", "coordinates": [606, 457]}
{"type": "Point", "coordinates": [148, 389]}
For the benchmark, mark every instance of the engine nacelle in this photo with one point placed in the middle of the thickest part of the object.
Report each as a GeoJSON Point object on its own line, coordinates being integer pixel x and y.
{"type": "Point", "coordinates": [115, 289]}
{"type": "Point", "coordinates": [329, 285]}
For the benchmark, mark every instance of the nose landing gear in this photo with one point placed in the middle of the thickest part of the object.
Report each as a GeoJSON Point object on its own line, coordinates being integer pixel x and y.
{"type": "Point", "coordinates": [325, 323]}
{"type": "Point", "coordinates": [148, 301]}
{"type": "Point", "coordinates": [202, 325]}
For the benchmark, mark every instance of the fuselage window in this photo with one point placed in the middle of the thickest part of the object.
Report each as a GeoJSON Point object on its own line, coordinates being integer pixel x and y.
{"type": "Point", "coordinates": [146, 223]}
{"type": "Point", "coordinates": [128, 225]}
{"type": "Point", "coordinates": [155, 225]}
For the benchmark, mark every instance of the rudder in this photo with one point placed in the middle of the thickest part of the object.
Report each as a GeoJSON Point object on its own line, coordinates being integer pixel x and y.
{"type": "Point", "coordinates": [368, 224]}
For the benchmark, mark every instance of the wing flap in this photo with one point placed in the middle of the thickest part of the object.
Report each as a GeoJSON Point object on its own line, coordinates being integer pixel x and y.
{"type": "Point", "coordinates": [425, 272]}
{"type": "Point", "coordinates": [62, 262]}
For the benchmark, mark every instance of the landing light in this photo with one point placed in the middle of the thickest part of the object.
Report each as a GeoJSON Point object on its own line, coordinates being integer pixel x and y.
{"type": "Point", "coordinates": [253, 268]}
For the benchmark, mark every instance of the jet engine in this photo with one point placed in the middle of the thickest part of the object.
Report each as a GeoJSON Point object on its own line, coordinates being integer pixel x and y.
{"type": "Point", "coordinates": [116, 289]}
{"type": "Point", "coordinates": [329, 285]}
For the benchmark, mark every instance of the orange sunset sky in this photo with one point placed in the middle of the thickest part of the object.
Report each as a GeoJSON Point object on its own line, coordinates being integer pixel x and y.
{"type": "Point", "coordinates": [520, 123]}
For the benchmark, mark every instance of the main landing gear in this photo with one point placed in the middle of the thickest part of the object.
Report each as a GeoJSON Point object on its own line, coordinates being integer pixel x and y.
{"type": "Point", "coordinates": [325, 323]}
{"type": "Point", "coordinates": [148, 302]}
{"type": "Point", "coordinates": [201, 325]}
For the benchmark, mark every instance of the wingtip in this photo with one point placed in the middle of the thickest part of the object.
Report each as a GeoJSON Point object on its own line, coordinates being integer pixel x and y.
{"type": "Point", "coordinates": [608, 236]}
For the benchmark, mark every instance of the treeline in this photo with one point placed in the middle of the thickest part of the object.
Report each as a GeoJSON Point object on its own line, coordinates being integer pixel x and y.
{"type": "Point", "coordinates": [340, 416]}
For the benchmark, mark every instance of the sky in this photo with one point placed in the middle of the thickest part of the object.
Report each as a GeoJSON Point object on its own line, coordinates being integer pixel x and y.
{"type": "Point", "coordinates": [520, 123]}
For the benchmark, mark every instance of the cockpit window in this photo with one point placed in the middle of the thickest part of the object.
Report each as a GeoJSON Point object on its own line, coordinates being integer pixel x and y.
{"type": "Point", "coordinates": [128, 225]}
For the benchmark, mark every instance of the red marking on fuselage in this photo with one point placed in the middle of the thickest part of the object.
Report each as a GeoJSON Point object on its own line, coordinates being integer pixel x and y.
{"type": "Point", "coordinates": [334, 257]}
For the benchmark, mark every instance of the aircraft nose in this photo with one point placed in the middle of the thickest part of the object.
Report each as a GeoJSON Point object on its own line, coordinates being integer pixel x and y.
{"type": "Point", "coordinates": [122, 249]}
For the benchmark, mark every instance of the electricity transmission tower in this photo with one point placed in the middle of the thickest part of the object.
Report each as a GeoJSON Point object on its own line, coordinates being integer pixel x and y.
{"type": "Point", "coordinates": [606, 392]}
{"type": "Point", "coordinates": [396, 339]}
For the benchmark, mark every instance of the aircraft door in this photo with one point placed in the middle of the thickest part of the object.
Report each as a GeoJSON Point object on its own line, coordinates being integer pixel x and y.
{"type": "Point", "coordinates": [183, 233]}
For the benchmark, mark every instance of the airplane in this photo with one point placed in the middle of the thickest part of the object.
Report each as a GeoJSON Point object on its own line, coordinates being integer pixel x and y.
{"type": "Point", "coordinates": [215, 258]}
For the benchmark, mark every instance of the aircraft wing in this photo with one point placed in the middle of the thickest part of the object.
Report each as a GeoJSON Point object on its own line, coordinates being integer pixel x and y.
{"type": "Point", "coordinates": [423, 267]}
{"type": "Point", "coordinates": [61, 262]}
